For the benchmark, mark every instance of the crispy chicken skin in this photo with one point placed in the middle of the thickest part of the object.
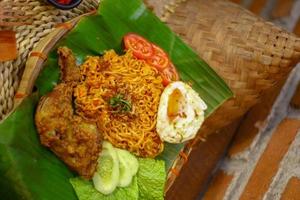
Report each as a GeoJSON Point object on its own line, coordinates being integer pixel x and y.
{"type": "Point", "coordinates": [67, 64]}
{"type": "Point", "coordinates": [73, 139]}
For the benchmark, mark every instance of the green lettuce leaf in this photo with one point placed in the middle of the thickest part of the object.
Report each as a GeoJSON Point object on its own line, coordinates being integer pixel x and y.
{"type": "Point", "coordinates": [86, 191]}
{"type": "Point", "coordinates": [151, 179]}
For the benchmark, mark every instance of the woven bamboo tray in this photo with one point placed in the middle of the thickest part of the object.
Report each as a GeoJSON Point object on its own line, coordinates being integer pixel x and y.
{"type": "Point", "coordinates": [248, 53]}
{"type": "Point", "coordinates": [41, 20]}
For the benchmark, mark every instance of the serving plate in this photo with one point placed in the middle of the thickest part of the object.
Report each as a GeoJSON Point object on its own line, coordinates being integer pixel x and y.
{"type": "Point", "coordinates": [90, 34]}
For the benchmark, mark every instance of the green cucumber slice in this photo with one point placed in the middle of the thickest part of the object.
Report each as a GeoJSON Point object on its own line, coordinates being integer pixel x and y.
{"type": "Point", "coordinates": [128, 165]}
{"type": "Point", "coordinates": [107, 146]}
{"type": "Point", "coordinates": [106, 178]}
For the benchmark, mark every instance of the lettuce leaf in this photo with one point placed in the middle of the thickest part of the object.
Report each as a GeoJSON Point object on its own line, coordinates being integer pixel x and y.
{"type": "Point", "coordinates": [151, 179]}
{"type": "Point", "coordinates": [86, 191]}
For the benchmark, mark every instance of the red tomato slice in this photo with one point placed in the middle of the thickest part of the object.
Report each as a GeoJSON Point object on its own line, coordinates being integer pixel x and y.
{"type": "Point", "coordinates": [141, 48]}
{"type": "Point", "coordinates": [169, 75]}
{"type": "Point", "coordinates": [159, 59]}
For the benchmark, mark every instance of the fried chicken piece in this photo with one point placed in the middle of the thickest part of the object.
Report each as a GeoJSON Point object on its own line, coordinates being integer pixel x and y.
{"type": "Point", "coordinates": [67, 63]}
{"type": "Point", "coordinates": [74, 140]}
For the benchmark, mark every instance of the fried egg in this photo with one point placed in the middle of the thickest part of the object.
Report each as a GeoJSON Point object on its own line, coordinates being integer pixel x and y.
{"type": "Point", "coordinates": [180, 113]}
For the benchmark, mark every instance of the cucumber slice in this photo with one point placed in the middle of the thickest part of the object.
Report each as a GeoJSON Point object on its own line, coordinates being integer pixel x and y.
{"type": "Point", "coordinates": [107, 146]}
{"type": "Point", "coordinates": [125, 177]}
{"type": "Point", "coordinates": [128, 165]}
{"type": "Point", "coordinates": [106, 177]}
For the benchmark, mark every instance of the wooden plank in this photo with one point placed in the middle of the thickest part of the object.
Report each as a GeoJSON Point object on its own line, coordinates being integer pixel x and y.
{"type": "Point", "coordinates": [297, 28]}
{"type": "Point", "coordinates": [269, 162]}
{"type": "Point", "coordinates": [236, 1]}
{"type": "Point", "coordinates": [197, 172]}
{"type": "Point", "coordinates": [257, 6]}
{"type": "Point", "coordinates": [218, 186]}
{"type": "Point", "coordinates": [282, 8]}
{"type": "Point", "coordinates": [292, 190]}
{"type": "Point", "coordinates": [295, 102]}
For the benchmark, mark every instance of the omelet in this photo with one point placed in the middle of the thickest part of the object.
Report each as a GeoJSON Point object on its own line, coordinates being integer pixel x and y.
{"type": "Point", "coordinates": [180, 113]}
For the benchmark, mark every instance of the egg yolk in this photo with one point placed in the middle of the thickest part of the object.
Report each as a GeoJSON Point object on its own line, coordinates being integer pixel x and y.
{"type": "Point", "coordinates": [175, 104]}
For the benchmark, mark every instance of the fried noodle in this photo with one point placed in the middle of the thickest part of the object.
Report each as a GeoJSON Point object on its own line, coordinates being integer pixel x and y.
{"type": "Point", "coordinates": [105, 77]}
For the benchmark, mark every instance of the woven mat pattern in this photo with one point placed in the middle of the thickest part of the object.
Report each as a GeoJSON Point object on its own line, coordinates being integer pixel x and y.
{"type": "Point", "coordinates": [251, 55]}
{"type": "Point", "coordinates": [44, 19]}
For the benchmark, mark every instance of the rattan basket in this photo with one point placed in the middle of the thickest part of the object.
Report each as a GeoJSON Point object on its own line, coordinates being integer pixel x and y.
{"type": "Point", "coordinates": [250, 54]}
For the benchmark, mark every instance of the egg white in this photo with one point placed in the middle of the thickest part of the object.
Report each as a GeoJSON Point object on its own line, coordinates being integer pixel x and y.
{"type": "Point", "coordinates": [182, 128]}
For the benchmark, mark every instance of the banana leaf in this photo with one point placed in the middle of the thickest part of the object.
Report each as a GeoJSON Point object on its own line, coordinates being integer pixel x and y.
{"type": "Point", "coordinates": [27, 169]}
{"type": "Point", "coordinates": [30, 171]}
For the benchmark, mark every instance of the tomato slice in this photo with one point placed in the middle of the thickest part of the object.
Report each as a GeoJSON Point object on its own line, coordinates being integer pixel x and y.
{"type": "Point", "coordinates": [159, 59]}
{"type": "Point", "coordinates": [169, 75]}
{"type": "Point", "coordinates": [141, 48]}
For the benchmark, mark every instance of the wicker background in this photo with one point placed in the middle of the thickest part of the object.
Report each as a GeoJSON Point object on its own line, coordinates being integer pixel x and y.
{"type": "Point", "coordinates": [250, 54]}
{"type": "Point", "coordinates": [44, 19]}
